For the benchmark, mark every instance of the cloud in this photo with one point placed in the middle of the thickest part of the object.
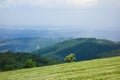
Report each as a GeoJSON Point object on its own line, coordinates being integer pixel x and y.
{"type": "Point", "coordinates": [47, 3]}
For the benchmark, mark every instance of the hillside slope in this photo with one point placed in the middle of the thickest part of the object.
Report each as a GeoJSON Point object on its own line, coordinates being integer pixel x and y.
{"type": "Point", "coordinates": [99, 69]}
{"type": "Point", "coordinates": [83, 48]}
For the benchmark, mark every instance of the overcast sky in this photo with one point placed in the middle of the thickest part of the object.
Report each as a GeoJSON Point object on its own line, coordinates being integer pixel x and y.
{"type": "Point", "coordinates": [83, 14]}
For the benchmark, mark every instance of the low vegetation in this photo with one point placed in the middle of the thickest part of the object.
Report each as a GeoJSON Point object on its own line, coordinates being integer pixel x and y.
{"type": "Point", "coordinates": [99, 69]}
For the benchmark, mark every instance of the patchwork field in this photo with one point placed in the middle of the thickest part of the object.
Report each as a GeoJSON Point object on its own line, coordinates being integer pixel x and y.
{"type": "Point", "coordinates": [99, 69]}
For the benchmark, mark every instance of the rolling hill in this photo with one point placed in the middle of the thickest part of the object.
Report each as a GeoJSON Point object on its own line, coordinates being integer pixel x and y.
{"type": "Point", "coordinates": [99, 69]}
{"type": "Point", "coordinates": [83, 48]}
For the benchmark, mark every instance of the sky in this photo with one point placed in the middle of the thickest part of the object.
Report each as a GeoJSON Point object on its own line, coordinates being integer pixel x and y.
{"type": "Point", "coordinates": [79, 14]}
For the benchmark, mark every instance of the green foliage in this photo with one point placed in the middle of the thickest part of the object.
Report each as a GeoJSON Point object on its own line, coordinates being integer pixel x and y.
{"type": "Point", "coordinates": [70, 58]}
{"type": "Point", "coordinates": [99, 69]}
{"type": "Point", "coordinates": [29, 64]}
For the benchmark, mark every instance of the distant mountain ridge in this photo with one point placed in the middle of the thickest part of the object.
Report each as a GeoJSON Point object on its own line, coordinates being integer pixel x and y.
{"type": "Point", "coordinates": [83, 48]}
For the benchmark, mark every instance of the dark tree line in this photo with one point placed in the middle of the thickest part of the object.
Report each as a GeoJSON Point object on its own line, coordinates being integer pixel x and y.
{"type": "Point", "coordinates": [11, 60]}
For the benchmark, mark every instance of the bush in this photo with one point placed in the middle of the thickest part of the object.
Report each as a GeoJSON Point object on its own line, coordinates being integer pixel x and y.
{"type": "Point", "coordinates": [29, 64]}
{"type": "Point", "coordinates": [70, 58]}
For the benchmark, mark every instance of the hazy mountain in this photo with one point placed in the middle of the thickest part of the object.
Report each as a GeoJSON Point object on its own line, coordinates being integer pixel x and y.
{"type": "Point", "coordinates": [6, 34]}
{"type": "Point", "coordinates": [30, 39]}
{"type": "Point", "coordinates": [26, 40]}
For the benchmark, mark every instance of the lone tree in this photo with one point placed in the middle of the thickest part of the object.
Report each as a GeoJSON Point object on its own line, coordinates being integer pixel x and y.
{"type": "Point", "coordinates": [29, 64]}
{"type": "Point", "coordinates": [70, 58]}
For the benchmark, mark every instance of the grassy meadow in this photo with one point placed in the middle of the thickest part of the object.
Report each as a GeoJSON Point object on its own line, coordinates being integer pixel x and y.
{"type": "Point", "coordinates": [99, 69]}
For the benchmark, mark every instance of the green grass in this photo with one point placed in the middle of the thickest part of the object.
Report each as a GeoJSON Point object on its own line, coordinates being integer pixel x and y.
{"type": "Point", "coordinates": [99, 69]}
